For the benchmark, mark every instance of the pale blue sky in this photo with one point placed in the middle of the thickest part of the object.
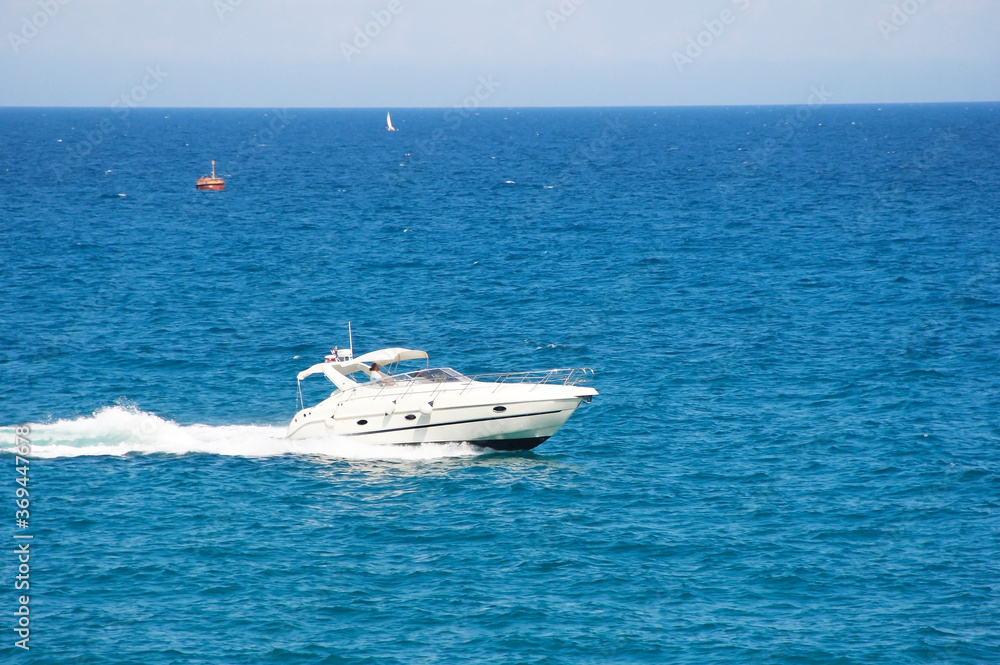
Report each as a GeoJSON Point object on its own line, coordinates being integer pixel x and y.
{"type": "Point", "coordinates": [437, 53]}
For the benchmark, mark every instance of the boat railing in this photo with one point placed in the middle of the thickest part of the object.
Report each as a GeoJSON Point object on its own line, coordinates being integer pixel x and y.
{"type": "Point", "coordinates": [566, 377]}
{"type": "Point", "coordinates": [563, 377]}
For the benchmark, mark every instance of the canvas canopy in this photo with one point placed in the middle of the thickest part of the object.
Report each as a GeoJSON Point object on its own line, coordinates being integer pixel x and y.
{"type": "Point", "coordinates": [339, 371]}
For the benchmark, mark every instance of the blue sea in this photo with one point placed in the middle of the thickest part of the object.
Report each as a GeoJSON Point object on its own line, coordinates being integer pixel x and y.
{"type": "Point", "coordinates": [792, 314]}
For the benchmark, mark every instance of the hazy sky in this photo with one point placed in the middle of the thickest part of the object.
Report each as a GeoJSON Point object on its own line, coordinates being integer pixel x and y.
{"type": "Point", "coordinates": [434, 53]}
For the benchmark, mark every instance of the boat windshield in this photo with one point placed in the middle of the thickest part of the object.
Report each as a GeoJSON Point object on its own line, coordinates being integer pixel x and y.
{"type": "Point", "coordinates": [436, 375]}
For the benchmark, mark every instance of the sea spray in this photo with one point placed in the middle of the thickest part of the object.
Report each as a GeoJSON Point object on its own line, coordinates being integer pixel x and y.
{"type": "Point", "coordinates": [124, 429]}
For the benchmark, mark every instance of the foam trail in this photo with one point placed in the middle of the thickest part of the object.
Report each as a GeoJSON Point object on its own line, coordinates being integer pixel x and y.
{"type": "Point", "coordinates": [123, 430]}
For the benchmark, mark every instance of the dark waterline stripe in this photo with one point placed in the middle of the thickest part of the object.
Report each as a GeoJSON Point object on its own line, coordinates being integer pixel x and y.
{"type": "Point", "coordinates": [457, 422]}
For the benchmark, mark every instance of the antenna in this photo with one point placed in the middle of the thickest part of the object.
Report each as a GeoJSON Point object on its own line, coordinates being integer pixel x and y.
{"type": "Point", "coordinates": [350, 338]}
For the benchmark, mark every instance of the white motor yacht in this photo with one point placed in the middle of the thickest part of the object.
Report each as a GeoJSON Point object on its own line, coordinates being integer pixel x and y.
{"type": "Point", "coordinates": [509, 411]}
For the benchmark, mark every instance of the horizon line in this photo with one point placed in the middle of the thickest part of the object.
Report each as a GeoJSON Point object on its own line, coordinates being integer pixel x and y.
{"type": "Point", "coordinates": [497, 108]}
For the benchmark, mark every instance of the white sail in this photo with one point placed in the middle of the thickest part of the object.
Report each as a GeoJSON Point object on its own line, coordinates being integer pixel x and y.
{"type": "Point", "coordinates": [388, 122]}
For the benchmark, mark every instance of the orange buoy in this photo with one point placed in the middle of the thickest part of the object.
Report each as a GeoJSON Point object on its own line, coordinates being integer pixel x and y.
{"type": "Point", "coordinates": [210, 182]}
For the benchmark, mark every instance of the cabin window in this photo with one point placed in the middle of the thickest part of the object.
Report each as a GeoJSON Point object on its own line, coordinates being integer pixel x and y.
{"type": "Point", "coordinates": [410, 416]}
{"type": "Point", "coordinates": [499, 409]}
{"type": "Point", "coordinates": [362, 422]}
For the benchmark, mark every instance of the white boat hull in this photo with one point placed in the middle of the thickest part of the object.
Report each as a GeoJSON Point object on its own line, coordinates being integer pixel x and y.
{"type": "Point", "coordinates": [498, 416]}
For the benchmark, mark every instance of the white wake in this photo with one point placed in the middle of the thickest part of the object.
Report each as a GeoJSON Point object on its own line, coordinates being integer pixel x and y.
{"type": "Point", "coordinates": [124, 430]}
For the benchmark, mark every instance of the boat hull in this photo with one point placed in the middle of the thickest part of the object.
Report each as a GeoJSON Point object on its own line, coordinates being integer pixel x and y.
{"type": "Point", "coordinates": [510, 418]}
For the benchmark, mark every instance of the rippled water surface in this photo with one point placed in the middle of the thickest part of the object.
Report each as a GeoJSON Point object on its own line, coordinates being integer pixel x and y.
{"type": "Point", "coordinates": [793, 315]}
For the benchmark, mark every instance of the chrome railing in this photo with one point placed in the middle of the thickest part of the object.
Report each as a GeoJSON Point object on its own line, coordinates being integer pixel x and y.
{"type": "Point", "coordinates": [563, 377]}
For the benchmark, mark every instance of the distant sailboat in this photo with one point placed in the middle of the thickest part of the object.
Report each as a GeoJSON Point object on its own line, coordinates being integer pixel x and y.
{"type": "Point", "coordinates": [388, 123]}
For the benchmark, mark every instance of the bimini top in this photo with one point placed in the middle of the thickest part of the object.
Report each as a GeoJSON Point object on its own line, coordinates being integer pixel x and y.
{"type": "Point", "coordinates": [338, 372]}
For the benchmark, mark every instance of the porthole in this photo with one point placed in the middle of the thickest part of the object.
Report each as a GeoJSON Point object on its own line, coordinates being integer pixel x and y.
{"type": "Point", "coordinates": [499, 409]}
{"type": "Point", "coordinates": [410, 416]}
{"type": "Point", "coordinates": [362, 422]}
